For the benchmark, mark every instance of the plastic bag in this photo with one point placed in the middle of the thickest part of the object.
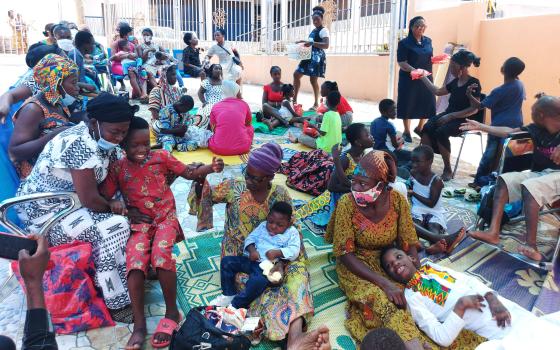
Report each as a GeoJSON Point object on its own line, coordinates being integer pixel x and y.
{"type": "Point", "coordinates": [440, 59]}
{"type": "Point", "coordinates": [309, 131]}
{"type": "Point", "coordinates": [419, 73]}
{"type": "Point", "coordinates": [70, 295]}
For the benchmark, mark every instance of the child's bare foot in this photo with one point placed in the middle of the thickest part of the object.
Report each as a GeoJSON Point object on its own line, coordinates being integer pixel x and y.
{"type": "Point", "coordinates": [530, 252]}
{"type": "Point", "coordinates": [292, 138]}
{"type": "Point", "coordinates": [437, 248]}
{"type": "Point", "coordinates": [453, 240]}
{"type": "Point", "coordinates": [163, 337]}
{"type": "Point", "coordinates": [311, 340]}
{"type": "Point", "coordinates": [136, 339]}
{"type": "Point", "coordinates": [486, 236]}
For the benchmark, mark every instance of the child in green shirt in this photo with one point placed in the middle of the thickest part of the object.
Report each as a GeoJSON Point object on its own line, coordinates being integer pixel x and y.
{"type": "Point", "coordinates": [330, 131]}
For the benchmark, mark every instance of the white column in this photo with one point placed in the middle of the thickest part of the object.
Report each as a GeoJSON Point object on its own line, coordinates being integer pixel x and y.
{"type": "Point", "coordinates": [208, 19]}
{"type": "Point", "coordinates": [284, 19]}
{"type": "Point", "coordinates": [395, 11]}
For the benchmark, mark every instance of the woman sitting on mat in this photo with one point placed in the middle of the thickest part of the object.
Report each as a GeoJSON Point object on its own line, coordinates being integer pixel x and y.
{"type": "Point", "coordinates": [248, 201]}
{"type": "Point", "coordinates": [272, 100]}
{"type": "Point", "coordinates": [46, 114]}
{"type": "Point", "coordinates": [365, 221]}
{"type": "Point", "coordinates": [211, 92]}
{"type": "Point", "coordinates": [166, 92]}
{"type": "Point", "coordinates": [230, 121]}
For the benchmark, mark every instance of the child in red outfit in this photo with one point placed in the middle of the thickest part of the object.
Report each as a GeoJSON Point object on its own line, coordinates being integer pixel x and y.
{"type": "Point", "coordinates": [143, 178]}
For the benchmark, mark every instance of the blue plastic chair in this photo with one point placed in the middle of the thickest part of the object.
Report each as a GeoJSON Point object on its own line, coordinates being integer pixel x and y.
{"type": "Point", "coordinates": [113, 77]}
{"type": "Point", "coordinates": [178, 55]}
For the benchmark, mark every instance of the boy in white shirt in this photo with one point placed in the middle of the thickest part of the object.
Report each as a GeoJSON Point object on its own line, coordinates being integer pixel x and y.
{"type": "Point", "coordinates": [443, 302]}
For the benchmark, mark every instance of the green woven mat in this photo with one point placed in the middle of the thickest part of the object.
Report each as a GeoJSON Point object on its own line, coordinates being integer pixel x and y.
{"type": "Point", "coordinates": [279, 130]}
{"type": "Point", "coordinates": [198, 282]}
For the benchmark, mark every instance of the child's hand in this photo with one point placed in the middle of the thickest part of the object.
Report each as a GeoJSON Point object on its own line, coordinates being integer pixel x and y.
{"type": "Point", "coordinates": [254, 256]}
{"type": "Point", "coordinates": [118, 207]}
{"type": "Point", "coordinates": [217, 165]}
{"type": "Point", "coordinates": [336, 151]}
{"type": "Point", "coordinates": [469, 302]}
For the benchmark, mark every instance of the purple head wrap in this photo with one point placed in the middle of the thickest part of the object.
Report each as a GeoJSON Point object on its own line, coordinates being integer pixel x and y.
{"type": "Point", "coordinates": [266, 159]}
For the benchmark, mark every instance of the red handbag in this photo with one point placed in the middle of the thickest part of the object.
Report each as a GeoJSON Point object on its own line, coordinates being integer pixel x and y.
{"type": "Point", "coordinates": [70, 295]}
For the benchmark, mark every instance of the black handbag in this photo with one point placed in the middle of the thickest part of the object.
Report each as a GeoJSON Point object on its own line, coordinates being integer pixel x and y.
{"type": "Point", "coordinates": [198, 333]}
{"type": "Point", "coordinates": [234, 58]}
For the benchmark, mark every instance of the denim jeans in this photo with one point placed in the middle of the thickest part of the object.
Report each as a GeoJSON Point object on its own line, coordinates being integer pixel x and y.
{"type": "Point", "coordinates": [485, 167]}
{"type": "Point", "coordinates": [255, 286]}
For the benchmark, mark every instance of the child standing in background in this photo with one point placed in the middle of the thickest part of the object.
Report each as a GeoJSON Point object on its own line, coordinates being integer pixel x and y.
{"type": "Point", "coordinates": [505, 103]}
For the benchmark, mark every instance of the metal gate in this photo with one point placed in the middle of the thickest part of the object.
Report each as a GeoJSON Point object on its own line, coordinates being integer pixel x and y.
{"type": "Point", "coordinates": [255, 26]}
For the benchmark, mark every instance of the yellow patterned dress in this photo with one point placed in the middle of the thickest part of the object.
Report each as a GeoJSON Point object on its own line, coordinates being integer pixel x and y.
{"type": "Point", "coordinates": [277, 306]}
{"type": "Point", "coordinates": [368, 307]}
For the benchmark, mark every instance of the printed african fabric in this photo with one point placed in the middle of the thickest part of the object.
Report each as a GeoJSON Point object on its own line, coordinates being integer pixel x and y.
{"type": "Point", "coordinates": [108, 233]}
{"type": "Point", "coordinates": [53, 117]}
{"type": "Point", "coordinates": [278, 306]}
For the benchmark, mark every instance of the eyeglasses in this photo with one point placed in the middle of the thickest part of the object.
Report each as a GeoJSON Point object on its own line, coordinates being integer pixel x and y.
{"type": "Point", "coordinates": [249, 177]}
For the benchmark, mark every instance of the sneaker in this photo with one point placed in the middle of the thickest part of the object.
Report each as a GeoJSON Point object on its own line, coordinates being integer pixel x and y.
{"type": "Point", "coordinates": [222, 300]}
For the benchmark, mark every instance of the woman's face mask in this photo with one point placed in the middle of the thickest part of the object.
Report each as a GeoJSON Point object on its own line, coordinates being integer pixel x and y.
{"type": "Point", "coordinates": [104, 144]}
{"type": "Point", "coordinates": [363, 199]}
{"type": "Point", "coordinates": [131, 38]}
{"type": "Point", "coordinates": [65, 44]}
{"type": "Point", "coordinates": [68, 99]}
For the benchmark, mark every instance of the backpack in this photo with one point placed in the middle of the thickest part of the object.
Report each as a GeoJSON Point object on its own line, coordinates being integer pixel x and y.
{"type": "Point", "coordinates": [199, 333]}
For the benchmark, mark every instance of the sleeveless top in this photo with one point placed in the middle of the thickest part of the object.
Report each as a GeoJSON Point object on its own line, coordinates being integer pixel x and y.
{"type": "Point", "coordinates": [418, 208]}
{"type": "Point", "coordinates": [273, 96]}
{"type": "Point", "coordinates": [51, 120]}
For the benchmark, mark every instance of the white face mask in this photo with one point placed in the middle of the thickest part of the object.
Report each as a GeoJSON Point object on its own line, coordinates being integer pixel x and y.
{"type": "Point", "coordinates": [148, 38]}
{"type": "Point", "coordinates": [65, 44]}
{"type": "Point", "coordinates": [68, 99]}
{"type": "Point", "coordinates": [104, 144]}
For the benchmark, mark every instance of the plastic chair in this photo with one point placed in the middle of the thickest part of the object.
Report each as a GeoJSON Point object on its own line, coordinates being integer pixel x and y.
{"type": "Point", "coordinates": [178, 55]}
{"type": "Point", "coordinates": [479, 117]}
{"type": "Point", "coordinates": [517, 156]}
{"type": "Point", "coordinates": [113, 78]}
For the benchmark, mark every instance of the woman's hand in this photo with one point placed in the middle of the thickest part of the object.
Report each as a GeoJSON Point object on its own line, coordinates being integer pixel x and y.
{"type": "Point", "coordinates": [308, 43]}
{"type": "Point", "coordinates": [471, 88]}
{"type": "Point", "coordinates": [394, 294]}
{"type": "Point", "coordinates": [336, 151]}
{"type": "Point", "coordinates": [445, 119]}
{"type": "Point", "coordinates": [136, 217]}
{"type": "Point", "coordinates": [470, 125]}
{"type": "Point", "coordinates": [118, 207]}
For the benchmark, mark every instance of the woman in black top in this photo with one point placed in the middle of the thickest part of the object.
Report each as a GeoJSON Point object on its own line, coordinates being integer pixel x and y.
{"type": "Point", "coordinates": [415, 101]}
{"type": "Point", "coordinates": [191, 57]}
{"type": "Point", "coordinates": [316, 66]}
{"type": "Point", "coordinates": [438, 129]}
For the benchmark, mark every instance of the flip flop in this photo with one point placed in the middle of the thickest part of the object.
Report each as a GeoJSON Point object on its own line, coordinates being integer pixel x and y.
{"type": "Point", "coordinates": [457, 240]}
{"type": "Point", "coordinates": [459, 191]}
{"type": "Point", "coordinates": [165, 326]}
{"type": "Point", "coordinates": [472, 196]}
{"type": "Point", "coordinates": [447, 193]}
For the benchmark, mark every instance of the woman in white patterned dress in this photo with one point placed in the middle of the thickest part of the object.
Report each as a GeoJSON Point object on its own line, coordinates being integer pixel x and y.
{"type": "Point", "coordinates": [77, 160]}
{"type": "Point", "coordinates": [211, 92]}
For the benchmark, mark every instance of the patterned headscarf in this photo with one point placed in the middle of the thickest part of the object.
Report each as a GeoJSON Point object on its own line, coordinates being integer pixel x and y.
{"type": "Point", "coordinates": [377, 165]}
{"type": "Point", "coordinates": [168, 93]}
{"type": "Point", "coordinates": [266, 159]}
{"type": "Point", "coordinates": [49, 74]}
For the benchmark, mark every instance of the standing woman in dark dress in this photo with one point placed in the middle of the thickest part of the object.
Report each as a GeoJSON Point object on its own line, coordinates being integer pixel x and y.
{"type": "Point", "coordinates": [439, 128]}
{"type": "Point", "coordinates": [414, 101]}
{"type": "Point", "coordinates": [317, 65]}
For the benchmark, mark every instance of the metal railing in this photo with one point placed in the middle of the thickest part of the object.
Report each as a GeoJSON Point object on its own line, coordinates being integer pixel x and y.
{"type": "Point", "coordinates": [255, 26]}
{"type": "Point", "coordinates": [96, 24]}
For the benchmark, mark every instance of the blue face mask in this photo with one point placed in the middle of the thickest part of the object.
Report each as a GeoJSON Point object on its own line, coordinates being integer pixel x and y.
{"type": "Point", "coordinates": [104, 144]}
{"type": "Point", "coordinates": [68, 99]}
{"type": "Point", "coordinates": [131, 38]}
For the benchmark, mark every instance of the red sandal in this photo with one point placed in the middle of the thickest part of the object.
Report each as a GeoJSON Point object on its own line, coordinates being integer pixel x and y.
{"type": "Point", "coordinates": [165, 326]}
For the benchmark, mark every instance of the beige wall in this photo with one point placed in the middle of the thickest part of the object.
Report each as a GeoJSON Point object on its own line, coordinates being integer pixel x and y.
{"type": "Point", "coordinates": [534, 39]}
{"type": "Point", "coordinates": [359, 77]}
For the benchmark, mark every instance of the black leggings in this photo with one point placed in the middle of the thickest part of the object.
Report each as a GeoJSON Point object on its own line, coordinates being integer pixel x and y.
{"type": "Point", "coordinates": [440, 134]}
